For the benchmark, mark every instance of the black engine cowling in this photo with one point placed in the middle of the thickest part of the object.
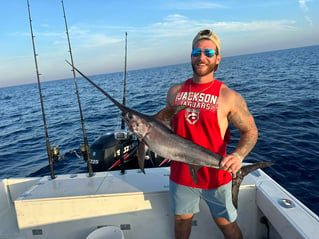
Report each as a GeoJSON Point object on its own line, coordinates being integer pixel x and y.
{"type": "Point", "coordinates": [105, 152]}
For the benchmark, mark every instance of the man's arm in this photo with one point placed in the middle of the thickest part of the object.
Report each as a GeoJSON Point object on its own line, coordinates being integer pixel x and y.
{"type": "Point", "coordinates": [242, 119]}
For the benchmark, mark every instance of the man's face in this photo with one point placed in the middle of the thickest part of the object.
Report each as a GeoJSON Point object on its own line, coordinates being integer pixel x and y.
{"type": "Point", "coordinates": [202, 64]}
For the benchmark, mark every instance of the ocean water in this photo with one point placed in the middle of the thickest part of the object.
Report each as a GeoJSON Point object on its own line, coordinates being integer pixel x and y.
{"type": "Point", "coordinates": [281, 89]}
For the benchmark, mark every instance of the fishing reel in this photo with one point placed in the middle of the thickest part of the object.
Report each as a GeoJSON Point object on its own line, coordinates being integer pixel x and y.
{"type": "Point", "coordinates": [55, 154]}
{"type": "Point", "coordinates": [123, 135]}
{"type": "Point", "coordinates": [85, 152]}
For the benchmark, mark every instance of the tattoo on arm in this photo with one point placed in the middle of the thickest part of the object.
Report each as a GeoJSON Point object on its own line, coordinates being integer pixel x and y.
{"type": "Point", "coordinates": [244, 122]}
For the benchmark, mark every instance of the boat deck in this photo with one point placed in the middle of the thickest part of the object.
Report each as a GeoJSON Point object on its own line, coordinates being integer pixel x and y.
{"type": "Point", "coordinates": [127, 201]}
{"type": "Point", "coordinates": [72, 206]}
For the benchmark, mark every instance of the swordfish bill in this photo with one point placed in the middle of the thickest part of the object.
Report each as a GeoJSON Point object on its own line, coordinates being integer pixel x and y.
{"type": "Point", "coordinates": [155, 133]}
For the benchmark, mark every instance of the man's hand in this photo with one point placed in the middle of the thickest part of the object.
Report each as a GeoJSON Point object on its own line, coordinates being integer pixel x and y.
{"type": "Point", "coordinates": [231, 163]}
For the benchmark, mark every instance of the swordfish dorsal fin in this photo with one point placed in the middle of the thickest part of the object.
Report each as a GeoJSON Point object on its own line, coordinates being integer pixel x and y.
{"type": "Point", "coordinates": [168, 113]}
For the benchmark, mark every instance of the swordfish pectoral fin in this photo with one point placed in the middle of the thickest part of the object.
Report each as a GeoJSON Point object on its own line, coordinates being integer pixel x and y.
{"type": "Point", "coordinates": [141, 156]}
{"type": "Point", "coordinates": [193, 169]}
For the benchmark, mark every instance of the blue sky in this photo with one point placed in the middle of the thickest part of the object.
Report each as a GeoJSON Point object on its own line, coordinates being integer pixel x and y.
{"type": "Point", "coordinates": [160, 32]}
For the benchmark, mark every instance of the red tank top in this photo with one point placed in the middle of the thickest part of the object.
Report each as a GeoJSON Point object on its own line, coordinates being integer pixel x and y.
{"type": "Point", "coordinates": [199, 123]}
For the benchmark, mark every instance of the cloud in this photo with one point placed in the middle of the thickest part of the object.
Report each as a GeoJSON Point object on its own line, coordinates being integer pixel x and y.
{"type": "Point", "coordinates": [304, 8]}
{"type": "Point", "coordinates": [308, 19]}
{"type": "Point", "coordinates": [181, 28]}
{"type": "Point", "coordinates": [178, 25]}
{"type": "Point", "coordinates": [266, 25]}
{"type": "Point", "coordinates": [194, 5]}
{"type": "Point", "coordinates": [176, 32]}
{"type": "Point", "coordinates": [83, 36]}
{"type": "Point", "coordinates": [303, 5]}
{"type": "Point", "coordinates": [172, 26]}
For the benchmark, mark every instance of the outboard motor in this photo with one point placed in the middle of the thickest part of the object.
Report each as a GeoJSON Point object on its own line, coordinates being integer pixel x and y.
{"type": "Point", "coordinates": [105, 152]}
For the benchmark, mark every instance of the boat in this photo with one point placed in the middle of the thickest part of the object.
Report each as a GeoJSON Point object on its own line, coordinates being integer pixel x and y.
{"type": "Point", "coordinates": [134, 205]}
{"type": "Point", "coordinates": [126, 203]}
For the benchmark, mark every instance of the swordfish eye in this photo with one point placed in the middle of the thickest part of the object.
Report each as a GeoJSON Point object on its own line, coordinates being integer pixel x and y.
{"type": "Point", "coordinates": [129, 115]}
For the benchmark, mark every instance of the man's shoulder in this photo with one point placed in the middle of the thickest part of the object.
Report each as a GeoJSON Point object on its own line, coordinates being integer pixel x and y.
{"type": "Point", "coordinates": [172, 92]}
{"type": "Point", "coordinates": [225, 91]}
{"type": "Point", "coordinates": [176, 88]}
{"type": "Point", "coordinates": [228, 95]}
{"type": "Point", "coordinates": [178, 85]}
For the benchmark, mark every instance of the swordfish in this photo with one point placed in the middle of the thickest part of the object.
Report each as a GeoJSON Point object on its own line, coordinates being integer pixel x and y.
{"type": "Point", "coordinates": [155, 133]}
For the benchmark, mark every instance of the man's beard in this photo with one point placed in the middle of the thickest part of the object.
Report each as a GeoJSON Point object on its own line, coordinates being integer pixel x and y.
{"type": "Point", "coordinates": [209, 69]}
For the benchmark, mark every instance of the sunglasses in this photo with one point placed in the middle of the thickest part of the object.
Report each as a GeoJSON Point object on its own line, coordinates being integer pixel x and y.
{"type": "Point", "coordinates": [208, 52]}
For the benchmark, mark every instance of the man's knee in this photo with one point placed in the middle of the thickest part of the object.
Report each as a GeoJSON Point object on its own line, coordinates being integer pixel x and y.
{"type": "Point", "coordinates": [183, 224]}
{"type": "Point", "coordinates": [229, 229]}
{"type": "Point", "coordinates": [183, 217]}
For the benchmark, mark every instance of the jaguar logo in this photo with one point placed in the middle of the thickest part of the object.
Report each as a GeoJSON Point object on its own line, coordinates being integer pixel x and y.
{"type": "Point", "coordinates": [192, 115]}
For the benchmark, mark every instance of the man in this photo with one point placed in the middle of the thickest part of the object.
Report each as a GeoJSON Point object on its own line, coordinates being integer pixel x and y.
{"type": "Point", "coordinates": [212, 105]}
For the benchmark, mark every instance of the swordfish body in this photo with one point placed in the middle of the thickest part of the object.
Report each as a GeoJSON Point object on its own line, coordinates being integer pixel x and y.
{"type": "Point", "coordinates": [154, 132]}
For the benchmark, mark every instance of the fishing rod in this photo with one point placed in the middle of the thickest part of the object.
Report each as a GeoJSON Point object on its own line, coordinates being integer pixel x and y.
{"type": "Point", "coordinates": [52, 153]}
{"type": "Point", "coordinates": [124, 84]}
{"type": "Point", "coordinates": [85, 149]}
{"type": "Point", "coordinates": [124, 103]}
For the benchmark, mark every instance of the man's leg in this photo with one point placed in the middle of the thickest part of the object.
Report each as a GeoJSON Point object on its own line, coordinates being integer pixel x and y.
{"type": "Point", "coordinates": [229, 229]}
{"type": "Point", "coordinates": [224, 213]}
{"type": "Point", "coordinates": [183, 226]}
{"type": "Point", "coordinates": [185, 203]}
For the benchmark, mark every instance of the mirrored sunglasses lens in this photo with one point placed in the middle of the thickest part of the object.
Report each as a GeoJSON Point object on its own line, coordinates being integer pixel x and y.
{"type": "Point", "coordinates": [209, 52]}
{"type": "Point", "coordinates": [196, 52]}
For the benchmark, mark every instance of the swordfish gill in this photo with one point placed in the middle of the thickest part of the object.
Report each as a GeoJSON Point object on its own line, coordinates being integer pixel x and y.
{"type": "Point", "coordinates": [154, 132]}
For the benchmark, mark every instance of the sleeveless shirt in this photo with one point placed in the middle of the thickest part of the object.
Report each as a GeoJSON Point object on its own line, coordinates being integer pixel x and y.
{"type": "Point", "coordinates": [199, 123]}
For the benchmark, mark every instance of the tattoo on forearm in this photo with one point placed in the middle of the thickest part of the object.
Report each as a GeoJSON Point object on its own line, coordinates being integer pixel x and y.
{"type": "Point", "coordinates": [244, 122]}
{"type": "Point", "coordinates": [247, 143]}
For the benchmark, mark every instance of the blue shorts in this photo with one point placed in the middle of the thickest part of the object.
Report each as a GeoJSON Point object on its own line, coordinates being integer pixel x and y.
{"type": "Point", "coordinates": [185, 200]}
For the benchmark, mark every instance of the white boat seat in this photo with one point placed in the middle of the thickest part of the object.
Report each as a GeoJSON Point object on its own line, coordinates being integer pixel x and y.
{"type": "Point", "coordinates": [108, 232]}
